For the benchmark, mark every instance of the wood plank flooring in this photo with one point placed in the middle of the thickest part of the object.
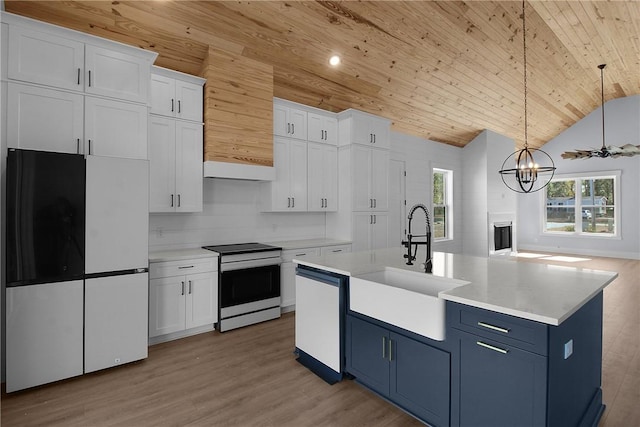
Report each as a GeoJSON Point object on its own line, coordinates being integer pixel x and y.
{"type": "Point", "coordinates": [249, 377]}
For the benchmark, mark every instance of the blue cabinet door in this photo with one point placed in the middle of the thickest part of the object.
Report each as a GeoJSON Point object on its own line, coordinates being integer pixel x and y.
{"type": "Point", "coordinates": [420, 379]}
{"type": "Point", "coordinates": [367, 354]}
{"type": "Point", "coordinates": [500, 385]}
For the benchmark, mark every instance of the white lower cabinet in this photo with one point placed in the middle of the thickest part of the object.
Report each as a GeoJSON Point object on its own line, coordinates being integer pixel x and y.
{"type": "Point", "coordinates": [183, 298]}
{"type": "Point", "coordinates": [288, 269]}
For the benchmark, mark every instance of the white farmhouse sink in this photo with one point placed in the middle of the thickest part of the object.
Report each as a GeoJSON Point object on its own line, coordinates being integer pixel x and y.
{"type": "Point", "coordinates": [406, 299]}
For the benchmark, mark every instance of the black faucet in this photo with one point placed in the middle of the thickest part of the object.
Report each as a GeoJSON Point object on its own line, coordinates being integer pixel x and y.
{"type": "Point", "coordinates": [411, 255]}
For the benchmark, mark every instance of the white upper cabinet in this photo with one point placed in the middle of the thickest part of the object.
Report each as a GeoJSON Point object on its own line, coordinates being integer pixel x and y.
{"type": "Point", "coordinates": [175, 158]}
{"type": "Point", "coordinates": [322, 172]}
{"type": "Point", "coordinates": [322, 128]}
{"type": "Point", "coordinates": [115, 129]}
{"type": "Point", "coordinates": [288, 193]}
{"type": "Point", "coordinates": [176, 94]}
{"type": "Point", "coordinates": [370, 176]}
{"type": "Point", "coordinates": [64, 62]}
{"type": "Point", "coordinates": [289, 121]}
{"type": "Point", "coordinates": [116, 74]}
{"type": "Point", "coordinates": [45, 59]}
{"type": "Point", "coordinates": [59, 117]}
{"type": "Point", "coordinates": [357, 127]}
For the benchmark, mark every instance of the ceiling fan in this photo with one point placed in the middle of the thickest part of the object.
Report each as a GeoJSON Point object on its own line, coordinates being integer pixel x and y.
{"type": "Point", "coordinates": [626, 150]}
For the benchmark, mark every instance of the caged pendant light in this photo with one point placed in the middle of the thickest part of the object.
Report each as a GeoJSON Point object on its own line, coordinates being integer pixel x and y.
{"type": "Point", "coordinates": [527, 175]}
{"type": "Point", "coordinates": [626, 150]}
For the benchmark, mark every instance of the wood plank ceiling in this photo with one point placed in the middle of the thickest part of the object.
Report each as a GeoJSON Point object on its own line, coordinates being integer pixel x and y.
{"type": "Point", "coordinates": [442, 70]}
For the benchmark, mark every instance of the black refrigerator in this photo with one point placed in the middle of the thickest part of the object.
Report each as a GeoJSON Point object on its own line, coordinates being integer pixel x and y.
{"type": "Point", "coordinates": [76, 264]}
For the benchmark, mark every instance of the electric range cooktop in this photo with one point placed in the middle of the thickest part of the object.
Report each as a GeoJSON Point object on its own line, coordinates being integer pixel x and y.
{"type": "Point", "coordinates": [241, 248]}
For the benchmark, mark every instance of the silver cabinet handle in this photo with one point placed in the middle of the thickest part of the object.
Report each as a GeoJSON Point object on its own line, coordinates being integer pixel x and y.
{"type": "Point", "coordinates": [89, 147]}
{"type": "Point", "coordinates": [370, 203]}
{"type": "Point", "coordinates": [288, 128]}
{"type": "Point", "coordinates": [78, 75]}
{"type": "Point", "coordinates": [375, 203]}
{"type": "Point", "coordinates": [494, 328]}
{"type": "Point", "coordinates": [78, 145]}
{"type": "Point", "coordinates": [89, 78]}
{"type": "Point", "coordinates": [178, 200]}
{"type": "Point", "coordinates": [179, 108]}
{"type": "Point", "coordinates": [293, 202]}
{"type": "Point", "coordinates": [288, 202]}
{"type": "Point", "coordinates": [375, 220]}
{"type": "Point", "coordinates": [185, 266]}
{"type": "Point", "coordinates": [302, 254]}
{"type": "Point", "coordinates": [370, 219]}
{"type": "Point", "coordinates": [172, 105]}
{"type": "Point", "coordinates": [390, 349]}
{"type": "Point", "coordinates": [490, 347]}
{"type": "Point", "coordinates": [190, 287]}
{"type": "Point", "coordinates": [336, 250]}
{"type": "Point", "coordinates": [172, 200]}
{"type": "Point", "coordinates": [293, 128]}
{"type": "Point", "coordinates": [182, 287]}
{"type": "Point", "coordinates": [384, 347]}
{"type": "Point", "coordinates": [374, 138]}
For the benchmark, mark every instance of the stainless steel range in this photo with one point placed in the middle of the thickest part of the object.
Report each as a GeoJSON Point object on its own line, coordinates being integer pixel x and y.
{"type": "Point", "coordinates": [249, 284]}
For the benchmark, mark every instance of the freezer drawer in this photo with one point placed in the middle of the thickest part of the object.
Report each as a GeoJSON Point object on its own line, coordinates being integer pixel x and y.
{"type": "Point", "coordinates": [116, 320]}
{"type": "Point", "coordinates": [44, 333]}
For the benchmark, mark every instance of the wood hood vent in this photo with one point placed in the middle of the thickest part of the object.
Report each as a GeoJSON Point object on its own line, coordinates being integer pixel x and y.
{"type": "Point", "coordinates": [238, 117]}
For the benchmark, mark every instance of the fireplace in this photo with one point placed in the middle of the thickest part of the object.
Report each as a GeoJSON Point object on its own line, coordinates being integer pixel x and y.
{"type": "Point", "coordinates": [501, 234]}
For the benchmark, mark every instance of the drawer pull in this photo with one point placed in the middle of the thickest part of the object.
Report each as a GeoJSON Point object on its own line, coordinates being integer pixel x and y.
{"type": "Point", "coordinates": [494, 328]}
{"type": "Point", "coordinates": [384, 347]}
{"type": "Point", "coordinates": [490, 347]}
{"type": "Point", "coordinates": [185, 266]}
{"type": "Point", "coordinates": [303, 254]}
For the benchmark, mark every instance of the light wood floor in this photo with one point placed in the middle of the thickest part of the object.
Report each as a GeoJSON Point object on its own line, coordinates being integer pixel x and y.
{"type": "Point", "coordinates": [249, 377]}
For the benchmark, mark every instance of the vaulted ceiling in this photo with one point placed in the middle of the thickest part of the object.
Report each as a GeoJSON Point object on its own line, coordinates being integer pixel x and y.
{"type": "Point", "coordinates": [442, 70]}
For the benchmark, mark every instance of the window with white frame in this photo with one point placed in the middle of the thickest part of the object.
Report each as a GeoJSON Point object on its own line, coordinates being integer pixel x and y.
{"type": "Point", "coordinates": [583, 205]}
{"type": "Point", "coordinates": [442, 204]}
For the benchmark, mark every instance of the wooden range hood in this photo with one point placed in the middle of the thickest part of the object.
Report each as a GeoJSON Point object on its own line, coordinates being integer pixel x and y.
{"type": "Point", "coordinates": [238, 117]}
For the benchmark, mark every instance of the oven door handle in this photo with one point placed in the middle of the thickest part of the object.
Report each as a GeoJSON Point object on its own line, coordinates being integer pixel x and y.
{"type": "Point", "coordinates": [253, 263]}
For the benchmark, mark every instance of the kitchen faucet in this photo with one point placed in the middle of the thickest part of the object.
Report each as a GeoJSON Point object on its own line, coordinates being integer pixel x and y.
{"type": "Point", "coordinates": [411, 255]}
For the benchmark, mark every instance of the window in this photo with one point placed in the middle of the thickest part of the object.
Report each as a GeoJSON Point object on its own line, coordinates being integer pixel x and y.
{"type": "Point", "coordinates": [442, 201]}
{"type": "Point", "coordinates": [583, 205]}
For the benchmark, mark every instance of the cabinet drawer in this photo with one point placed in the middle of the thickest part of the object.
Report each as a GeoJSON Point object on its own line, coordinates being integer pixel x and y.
{"type": "Point", "coordinates": [524, 334]}
{"type": "Point", "coordinates": [180, 268]}
{"type": "Point", "coordinates": [336, 249]}
{"type": "Point", "coordinates": [288, 256]}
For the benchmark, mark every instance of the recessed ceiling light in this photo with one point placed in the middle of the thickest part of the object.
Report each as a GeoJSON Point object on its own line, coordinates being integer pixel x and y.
{"type": "Point", "coordinates": [334, 60]}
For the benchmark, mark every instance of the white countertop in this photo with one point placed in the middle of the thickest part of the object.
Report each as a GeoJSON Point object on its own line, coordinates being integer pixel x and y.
{"type": "Point", "coordinates": [541, 292]}
{"type": "Point", "coordinates": [308, 243]}
{"type": "Point", "coordinates": [180, 254]}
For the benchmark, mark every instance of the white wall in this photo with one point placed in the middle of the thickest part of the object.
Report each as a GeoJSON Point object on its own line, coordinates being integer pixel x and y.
{"type": "Point", "coordinates": [622, 127]}
{"type": "Point", "coordinates": [421, 156]}
{"type": "Point", "coordinates": [231, 214]}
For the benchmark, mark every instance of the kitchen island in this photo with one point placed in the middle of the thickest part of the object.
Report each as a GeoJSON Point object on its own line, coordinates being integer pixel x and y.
{"type": "Point", "coordinates": [521, 343]}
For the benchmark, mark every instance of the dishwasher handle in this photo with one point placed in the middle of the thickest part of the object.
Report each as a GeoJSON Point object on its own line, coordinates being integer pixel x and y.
{"type": "Point", "coordinates": [320, 276]}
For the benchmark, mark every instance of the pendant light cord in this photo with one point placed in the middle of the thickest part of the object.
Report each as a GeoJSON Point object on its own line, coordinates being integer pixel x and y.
{"type": "Point", "coordinates": [601, 66]}
{"type": "Point", "coordinates": [524, 44]}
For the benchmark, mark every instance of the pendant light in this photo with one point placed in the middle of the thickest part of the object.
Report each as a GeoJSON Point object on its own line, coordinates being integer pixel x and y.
{"type": "Point", "coordinates": [532, 171]}
{"type": "Point", "coordinates": [627, 150]}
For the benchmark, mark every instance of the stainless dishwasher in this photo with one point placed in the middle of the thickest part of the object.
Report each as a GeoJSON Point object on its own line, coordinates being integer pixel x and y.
{"type": "Point", "coordinates": [320, 317]}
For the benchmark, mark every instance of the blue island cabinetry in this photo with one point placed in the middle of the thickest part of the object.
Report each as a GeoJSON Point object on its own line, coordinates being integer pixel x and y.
{"type": "Point", "coordinates": [406, 371]}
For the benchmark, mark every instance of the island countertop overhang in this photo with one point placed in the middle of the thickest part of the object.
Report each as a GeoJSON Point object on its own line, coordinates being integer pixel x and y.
{"type": "Point", "coordinates": [544, 293]}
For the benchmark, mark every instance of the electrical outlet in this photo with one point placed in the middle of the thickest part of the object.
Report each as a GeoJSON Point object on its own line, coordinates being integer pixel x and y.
{"type": "Point", "coordinates": [568, 349]}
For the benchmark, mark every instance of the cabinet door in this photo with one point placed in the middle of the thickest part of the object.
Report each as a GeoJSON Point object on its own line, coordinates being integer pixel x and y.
{"type": "Point", "coordinates": [420, 379]}
{"type": "Point", "coordinates": [500, 385]}
{"type": "Point", "coordinates": [280, 195]}
{"type": "Point", "coordinates": [315, 127]}
{"type": "Point", "coordinates": [330, 177]}
{"type": "Point", "coordinates": [298, 120]}
{"type": "Point", "coordinates": [162, 95]}
{"type": "Point", "coordinates": [380, 179]}
{"type": "Point", "coordinates": [115, 129]}
{"type": "Point", "coordinates": [298, 174]}
{"type": "Point", "coordinates": [380, 130]}
{"type": "Point", "coordinates": [281, 125]}
{"type": "Point", "coordinates": [362, 132]}
{"type": "Point", "coordinates": [45, 59]}
{"type": "Point", "coordinates": [162, 164]}
{"type": "Point", "coordinates": [202, 299]}
{"type": "Point", "coordinates": [115, 322]}
{"type": "Point", "coordinates": [316, 177]}
{"type": "Point", "coordinates": [166, 305]}
{"type": "Point", "coordinates": [361, 178]}
{"type": "Point", "coordinates": [188, 167]}
{"type": "Point", "coordinates": [368, 354]}
{"type": "Point", "coordinates": [44, 119]}
{"type": "Point", "coordinates": [361, 236]}
{"type": "Point", "coordinates": [331, 130]}
{"type": "Point", "coordinates": [379, 231]}
{"type": "Point", "coordinates": [116, 74]}
{"type": "Point", "coordinates": [189, 101]}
